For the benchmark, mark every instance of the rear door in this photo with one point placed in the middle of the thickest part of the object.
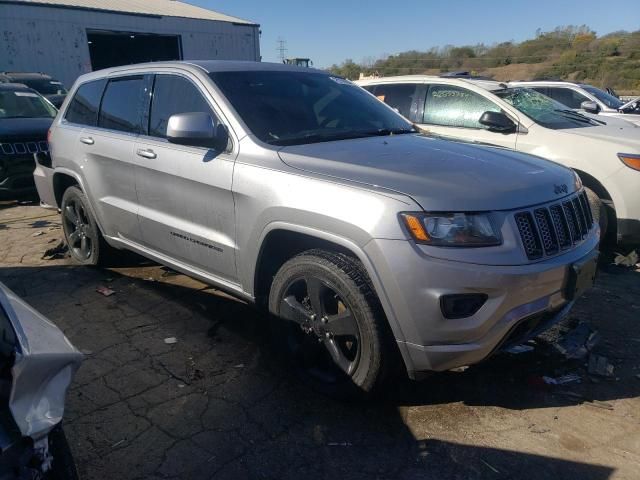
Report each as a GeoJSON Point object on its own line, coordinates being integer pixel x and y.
{"type": "Point", "coordinates": [186, 203]}
{"type": "Point", "coordinates": [108, 158]}
{"type": "Point", "coordinates": [454, 111]}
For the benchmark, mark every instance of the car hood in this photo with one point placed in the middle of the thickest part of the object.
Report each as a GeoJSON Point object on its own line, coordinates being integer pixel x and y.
{"type": "Point", "coordinates": [440, 175]}
{"type": "Point", "coordinates": [19, 128]}
{"type": "Point", "coordinates": [619, 137]}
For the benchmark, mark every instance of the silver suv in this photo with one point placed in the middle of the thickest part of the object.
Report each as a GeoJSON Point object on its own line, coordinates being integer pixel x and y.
{"type": "Point", "coordinates": [297, 190]}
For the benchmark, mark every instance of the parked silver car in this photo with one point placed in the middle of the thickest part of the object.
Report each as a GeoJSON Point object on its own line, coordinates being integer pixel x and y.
{"type": "Point", "coordinates": [298, 190]}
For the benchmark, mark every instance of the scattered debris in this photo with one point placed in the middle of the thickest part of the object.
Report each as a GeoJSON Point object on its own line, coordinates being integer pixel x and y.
{"type": "Point", "coordinates": [193, 372]}
{"type": "Point", "coordinates": [495, 470]}
{"type": "Point", "coordinates": [599, 365]}
{"type": "Point", "coordinates": [626, 260]}
{"type": "Point", "coordinates": [117, 443]}
{"type": "Point", "coordinates": [38, 234]}
{"type": "Point", "coordinates": [61, 250]}
{"type": "Point", "coordinates": [599, 404]}
{"type": "Point", "coordinates": [459, 369]}
{"type": "Point", "coordinates": [564, 379]}
{"type": "Point", "coordinates": [107, 292]}
{"type": "Point", "coordinates": [170, 340]}
{"type": "Point", "coordinates": [86, 352]}
{"type": "Point", "coordinates": [339, 444]}
{"type": "Point", "coordinates": [181, 385]}
{"type": "Point", "coordinates": [577, 343]}
{"type": "Point", "coordinates": [167, 272]}
{"type": "Point", "coordinates": [240, 365]}
{"type": "Point", "coordinates": [516, 349]}
{"type": "Point", "coordinates": [51, 240]}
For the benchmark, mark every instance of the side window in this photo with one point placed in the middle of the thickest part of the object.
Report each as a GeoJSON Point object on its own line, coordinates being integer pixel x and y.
{"type": "Point", "coordinates": [84, 106]}
{"type": "Point", "coordinates": [121, 104]}
{"type": "Point", "coordinates": [452, 106]}
{"type": "Point", "coordinates": [566, 96]}
{"type": "Point", "coordinates": [369, 88]}
{"type": "Point", "coordinates": [171, 95]}
{"type": "Point", "coordinates": [397, 95]}
{"type": "Point", "coordinates": [542, 90]}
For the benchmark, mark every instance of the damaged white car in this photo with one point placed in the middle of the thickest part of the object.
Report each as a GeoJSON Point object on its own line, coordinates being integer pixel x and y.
{"type": "Point", "coordinates": [37, 364]}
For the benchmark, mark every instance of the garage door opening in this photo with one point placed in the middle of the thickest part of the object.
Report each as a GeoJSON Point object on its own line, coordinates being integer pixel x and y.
{"type": "Point", "coordinates": [111, 49]}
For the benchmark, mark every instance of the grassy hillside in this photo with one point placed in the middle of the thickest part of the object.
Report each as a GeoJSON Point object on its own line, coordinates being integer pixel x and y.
{"type": "Point", "coordinates": [571, 53]}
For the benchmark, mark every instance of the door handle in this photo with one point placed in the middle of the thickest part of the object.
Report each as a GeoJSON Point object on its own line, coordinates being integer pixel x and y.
{"type": "Point", "coordinates": [146, 153]}
{"type": "Point", "coordinates": [87, 140]}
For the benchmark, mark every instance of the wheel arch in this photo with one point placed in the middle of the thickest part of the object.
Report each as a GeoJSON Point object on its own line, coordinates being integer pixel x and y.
{"type": "Point", "coordinates": [592, 183]}
{"type": "Point", "coordinates": [281, 242]}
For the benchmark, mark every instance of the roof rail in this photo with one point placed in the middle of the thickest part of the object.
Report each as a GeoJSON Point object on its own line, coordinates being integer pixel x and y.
{"type": "Point", "coordinates": [464, 74]}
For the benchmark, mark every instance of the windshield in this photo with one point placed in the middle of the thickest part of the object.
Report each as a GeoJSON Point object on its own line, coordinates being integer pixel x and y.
{"type": "Point", "coordinates": [609, 100]}
{"type": "Point", "coordinates": [24, 104]}
{"type": "Point", "coordinates": [294, 108]}
{"type": "Point", "coordinates": [43, 86]}
{"type": "Point", "coordinates": [544, 110]}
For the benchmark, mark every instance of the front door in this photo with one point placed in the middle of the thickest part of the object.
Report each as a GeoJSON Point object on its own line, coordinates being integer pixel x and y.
{"type": "Point", "coordinates": [186, 203]}
{"type": "Point", "coordinates": [453, 111]}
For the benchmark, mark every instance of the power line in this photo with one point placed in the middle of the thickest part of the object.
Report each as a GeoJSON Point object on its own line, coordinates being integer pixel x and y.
{"type": "Point", "coordinates": [282, 49]}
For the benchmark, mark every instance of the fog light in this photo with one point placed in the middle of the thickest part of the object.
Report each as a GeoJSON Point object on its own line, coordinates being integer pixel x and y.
{"type": "Point", "coordinates": [461, 305]}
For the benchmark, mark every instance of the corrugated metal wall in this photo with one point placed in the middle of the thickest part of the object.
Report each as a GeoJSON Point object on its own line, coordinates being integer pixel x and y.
{"type": "Point", "coordinates": [53, 40]}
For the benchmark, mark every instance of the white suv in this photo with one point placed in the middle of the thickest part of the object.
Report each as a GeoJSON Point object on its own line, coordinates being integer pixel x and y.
{"type": "Point", "coordinates": [579, 96]}
{"type": "Point", "coordinates": [605, 156]}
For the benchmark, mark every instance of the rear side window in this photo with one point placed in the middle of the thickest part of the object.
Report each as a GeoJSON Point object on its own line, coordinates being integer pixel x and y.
{"type": "Point", "coordinates": [171, 95]}
{"type": "Point", "coordinates": [567, 96]}
{"type": "Point", "coordinates": [121, 104]}
{"type": "Point", "coordinates": [398, 95]}
{"type": "Point", "coordinates": [452, 106]}
{"type": "Point", "coordinates": [83, 109]}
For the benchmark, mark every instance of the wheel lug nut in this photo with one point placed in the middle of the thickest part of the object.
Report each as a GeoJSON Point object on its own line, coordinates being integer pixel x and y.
{"type": "Point", "coordinates": [324, 320]}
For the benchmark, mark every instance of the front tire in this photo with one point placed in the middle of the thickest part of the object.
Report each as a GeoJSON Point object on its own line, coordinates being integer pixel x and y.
{"type": "Point", "coordinates": [81, 232]}
{"type": "Point", "coordinates": [329, 323]}
{"type": "Point", "coordinates": [599, 212]}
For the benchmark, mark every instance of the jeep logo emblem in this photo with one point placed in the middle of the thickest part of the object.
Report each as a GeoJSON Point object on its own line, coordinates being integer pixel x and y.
{"type": "Point", "coordinates": [558, 189]}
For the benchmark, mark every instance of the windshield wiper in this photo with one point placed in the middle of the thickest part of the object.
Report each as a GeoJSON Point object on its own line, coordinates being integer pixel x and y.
{"type": "Point", "coordinates": [577, 116]}
{"type": "Point", "coordinates": [345, 135]}
{"type": "Point", "coordinates": [385, 132]}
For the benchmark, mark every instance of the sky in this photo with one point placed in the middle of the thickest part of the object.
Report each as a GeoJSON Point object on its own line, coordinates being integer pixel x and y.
{"type": "Point", "coordinates": [330, 31]}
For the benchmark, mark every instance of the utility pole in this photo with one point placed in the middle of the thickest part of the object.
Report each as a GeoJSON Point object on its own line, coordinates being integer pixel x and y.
{"type": "Point", "coordinates": [282, 49]}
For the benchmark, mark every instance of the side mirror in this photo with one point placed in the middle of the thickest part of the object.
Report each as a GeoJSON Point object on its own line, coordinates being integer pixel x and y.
{"type": "Point", "coordinates": [197, 130]}
{"type": "Point", "coordinates": [590, 107]}
{"type": "Point", "coordinates": [497, 122]}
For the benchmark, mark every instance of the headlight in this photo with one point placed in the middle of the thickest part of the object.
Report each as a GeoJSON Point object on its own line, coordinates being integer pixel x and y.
{"type": "Point", "coordinates": [452, 229]}
{"type": "Point", "coordinates": [630, 160]}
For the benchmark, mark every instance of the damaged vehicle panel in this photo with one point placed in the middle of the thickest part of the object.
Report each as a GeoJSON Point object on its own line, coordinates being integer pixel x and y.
{"type": "Point", "coordinates": [37, 365]}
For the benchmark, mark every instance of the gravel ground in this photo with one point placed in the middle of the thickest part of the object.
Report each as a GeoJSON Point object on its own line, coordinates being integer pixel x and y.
{"type": "Point", "coordinates": [216, 404]}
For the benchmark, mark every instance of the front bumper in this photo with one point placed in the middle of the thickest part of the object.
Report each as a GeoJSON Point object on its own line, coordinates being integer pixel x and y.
{"type": "Point", "coordinates": [522, 300]}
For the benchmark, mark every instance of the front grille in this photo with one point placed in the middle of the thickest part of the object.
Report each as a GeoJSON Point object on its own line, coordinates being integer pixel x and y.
{"type": "Point", "coordinates": [546, 230]}
{"type": "Point", "coordinates": [23, 148]}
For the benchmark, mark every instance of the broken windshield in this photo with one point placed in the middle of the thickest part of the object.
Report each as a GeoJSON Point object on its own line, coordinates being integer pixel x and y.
{"type": "Point", "coordinates": [543, 110]}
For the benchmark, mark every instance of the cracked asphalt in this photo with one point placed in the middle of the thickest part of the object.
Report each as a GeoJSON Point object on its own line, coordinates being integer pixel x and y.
{"type": "Point", "coordinates": [217, 404]}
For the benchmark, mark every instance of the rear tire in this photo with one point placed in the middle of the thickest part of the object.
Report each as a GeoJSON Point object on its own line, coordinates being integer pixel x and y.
{"type": "Point", "coordinates": [81, 232]}
{"type": "Point", "coordinates": [329, 323]}
{"type": "Point", "coordinates": [599, 211]}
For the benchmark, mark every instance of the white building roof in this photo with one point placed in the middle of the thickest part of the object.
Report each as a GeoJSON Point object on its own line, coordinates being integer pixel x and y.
{"type": "Point", "coordinates": [165, 8]}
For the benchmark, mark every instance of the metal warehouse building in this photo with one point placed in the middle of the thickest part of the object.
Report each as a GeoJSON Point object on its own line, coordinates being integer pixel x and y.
{"type": "Point", "coordinates": [66, 38]}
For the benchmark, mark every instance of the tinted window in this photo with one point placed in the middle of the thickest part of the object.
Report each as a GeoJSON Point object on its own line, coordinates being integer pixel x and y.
{"type": "Point", "coordinates": [292, 108]}
{"type": "Point", "coordinates": [120, 108]}
{"type": "Point", "coordinates": [83, 109]}
{"type": "Point", "coordinates": [455, 107]}
{"type": "Point", "coordinates": [171, 95]}
{"type": "Point", "coordinates": [399, 96]}
{"type": "Point", "coordinates": [566, 96]}
{"type": "Point", "coordinates": [606, 98]}
{"type": "Point", "coordinates": [44, 86]}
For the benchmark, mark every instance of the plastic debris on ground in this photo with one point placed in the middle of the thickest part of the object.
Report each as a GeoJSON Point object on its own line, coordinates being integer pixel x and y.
{"type": "Point", "coordinates": [517, 349]}
{"type": "Point", "coordinates": [38, 234]}
{"type": "Point", "coordinates": [626, 260]}
{"type": "Point", "coordinates": [599, 365]}
{"type": "Point", "coordinates": [107, 292]}
{"type": "Point", "coordinates": [577, 343]}
{"type": "Point", "coordinates": [563, 380]}
{"type": "Point", "coordinates": [170, 340]}
{"type": "Point", "coordinates": [55, 253]}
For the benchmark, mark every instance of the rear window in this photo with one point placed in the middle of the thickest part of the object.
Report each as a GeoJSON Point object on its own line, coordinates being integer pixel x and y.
{"type": "Point", "coordinates": [121, 104]}
{"type": "Point", "coordinates": [83, 109]}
